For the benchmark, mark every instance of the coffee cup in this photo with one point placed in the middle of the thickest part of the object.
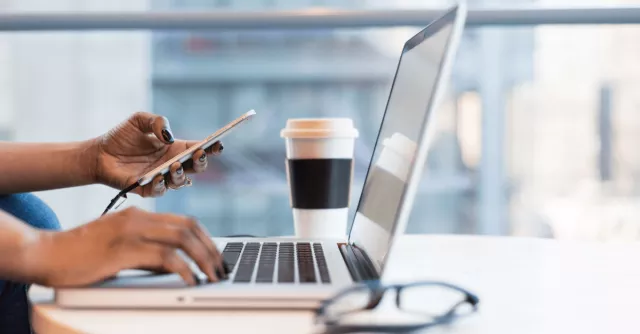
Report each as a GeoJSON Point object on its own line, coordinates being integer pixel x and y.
{"type": "Point", "coordinates": [319, 167]}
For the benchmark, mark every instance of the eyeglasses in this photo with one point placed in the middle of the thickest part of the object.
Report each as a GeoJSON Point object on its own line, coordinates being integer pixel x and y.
{"type": "Point", "coordinates": [422, 305]}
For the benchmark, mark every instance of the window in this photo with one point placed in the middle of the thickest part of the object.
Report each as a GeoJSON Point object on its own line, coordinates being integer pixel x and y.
{"type": "Point", "coordinates": [538, 135]}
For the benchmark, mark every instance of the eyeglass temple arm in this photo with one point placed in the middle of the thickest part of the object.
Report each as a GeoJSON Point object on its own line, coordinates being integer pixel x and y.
{"type": "Point", "coordinates": [375, 296]}
{"type": "Point", "coordinates": [470, 298]}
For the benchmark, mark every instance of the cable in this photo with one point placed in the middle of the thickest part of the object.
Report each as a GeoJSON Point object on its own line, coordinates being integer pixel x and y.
{"type": "Point", "coordinates": [123, 193]}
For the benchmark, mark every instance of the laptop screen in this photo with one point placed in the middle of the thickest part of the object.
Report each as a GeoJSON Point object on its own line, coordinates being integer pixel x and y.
{"type": "Point", "coordinates": [402, 126]}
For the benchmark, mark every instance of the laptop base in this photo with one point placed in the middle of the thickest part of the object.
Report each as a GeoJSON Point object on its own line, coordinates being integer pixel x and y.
{"type": "Point", "coordinates": [138, 289]}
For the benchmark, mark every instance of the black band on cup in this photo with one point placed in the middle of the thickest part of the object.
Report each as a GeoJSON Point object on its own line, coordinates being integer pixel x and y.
{"type": "Point", "coordinates": [320, 183]}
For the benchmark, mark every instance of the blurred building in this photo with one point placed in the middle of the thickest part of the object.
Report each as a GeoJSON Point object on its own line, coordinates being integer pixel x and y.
{"type": "Point", "coordinates": [538, 136]}
{"type": "Point", "coordinates": [201, 80]}
{"type": "Point", "coordinates": [574, 134]}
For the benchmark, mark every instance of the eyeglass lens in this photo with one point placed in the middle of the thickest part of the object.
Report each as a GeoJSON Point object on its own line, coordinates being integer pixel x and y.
{"type": "Point", "coordinates": [350, 302]}
{"type": "Point", "coordinates": [431, 300]}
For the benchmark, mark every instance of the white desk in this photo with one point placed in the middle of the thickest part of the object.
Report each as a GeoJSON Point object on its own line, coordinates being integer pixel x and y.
{"type": "Point", "coordinates": [525, 286]}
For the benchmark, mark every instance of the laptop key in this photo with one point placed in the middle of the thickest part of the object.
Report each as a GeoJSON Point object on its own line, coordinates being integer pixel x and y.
{"type": "Point", "coordinates": [247, 263]}
{"type": "Point", "coordinates": [285, 263]}
{"type": "Point", "coordinates": [230, 255]}
{"type": "Point", "coordinates": [286, 276]}
{"type": "Point", "coordinates": [323, 269]}
{"type": "Point", "coordinates": [266, 266]}
{"type": "Point", "coordinates": [253, 245]}
{"type": "Point", "coordinates": [230, 258]}
{"type": "Point", "coordinates": [234, 245]}
{"type": "Point", "coordinates": [306, 270]}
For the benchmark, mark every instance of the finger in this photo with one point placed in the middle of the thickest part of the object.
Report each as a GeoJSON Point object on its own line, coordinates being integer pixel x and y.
{"type": "Point", "coordinates": [199, 161]}
{"type": "Point", "coordinates": [215, 149]}
{"type": "Point", "coordinates": [182, 232]}
{"type": "Point", "coordinates": [158, 186]}
{"type": "Point", "coordinates": [156, 124]}
{"type": "Point", "coordinates": [186, 240]}
{"type": "Point", "coordinates": [212, 251]}
{"type": "Point", "coordinates": [177, 174]}
{"type": "Point", "coordinates": [163, 258]}
{"type": "Point", "coordinates": [172, 262]}
{"type": "Point", "coordinates": [205, 238]}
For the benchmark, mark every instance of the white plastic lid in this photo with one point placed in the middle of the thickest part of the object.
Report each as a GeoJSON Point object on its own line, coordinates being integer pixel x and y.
{"type": "Point", "coordinates": [319, 128]}
{"type": "Point", "coordinates": [401, 144]}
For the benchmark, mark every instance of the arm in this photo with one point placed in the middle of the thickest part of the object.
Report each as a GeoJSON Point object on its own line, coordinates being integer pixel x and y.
{"type": "Point", "coordinates": [30, 167]}
{"type": "Point", "coordinates": [16, 239]}
{"type": "Point", "coordinates": [125, 239]}
{"type": "Point", "coordinates": [117, 159]}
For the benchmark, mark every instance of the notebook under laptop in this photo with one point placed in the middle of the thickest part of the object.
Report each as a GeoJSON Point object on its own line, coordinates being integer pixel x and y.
{"type": "Point", "coordinates": [295, 273]}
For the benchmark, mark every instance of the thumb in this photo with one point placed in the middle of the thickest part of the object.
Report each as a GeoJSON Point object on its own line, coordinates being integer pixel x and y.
{"type": "Point", "coordinates": [156, 124]}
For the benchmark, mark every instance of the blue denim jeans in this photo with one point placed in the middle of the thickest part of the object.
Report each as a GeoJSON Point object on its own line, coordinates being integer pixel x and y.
{"type": "Point", "coordinates": [14, 304]}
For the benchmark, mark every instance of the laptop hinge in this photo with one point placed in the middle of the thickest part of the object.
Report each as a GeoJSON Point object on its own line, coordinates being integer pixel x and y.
{"type": "Point", "coordinates": [358, 262]}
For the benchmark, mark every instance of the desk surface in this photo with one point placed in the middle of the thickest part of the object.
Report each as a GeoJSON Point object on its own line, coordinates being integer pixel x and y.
{"type": "Point", "coordinates": [525, 286]}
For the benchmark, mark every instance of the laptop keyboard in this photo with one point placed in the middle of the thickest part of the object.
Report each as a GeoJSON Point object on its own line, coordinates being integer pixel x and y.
{"type": "Point", "coordinates": [271, 262]}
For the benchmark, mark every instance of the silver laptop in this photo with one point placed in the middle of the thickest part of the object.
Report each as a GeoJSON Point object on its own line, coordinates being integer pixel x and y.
{"type": "Point", "coordinates": [296, 273]}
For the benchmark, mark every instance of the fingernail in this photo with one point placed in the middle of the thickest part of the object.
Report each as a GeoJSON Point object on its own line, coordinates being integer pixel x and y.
{"type": "Point", "coordinates": [203, 157]}
{"type": "Point", "coordinates": [221, 147]}
{"type": "Point", "coordinates": [225, 265]}
{"type": "Point", "coordinates": [160, 184]}
{"type": "Point", "coordinates": [167, 135]}
{"type": "Point", "coordinates": [179, 171]}
{"type": "Point", "coordinates": [220, 273]}
{"type": "Point", "coordinates": [196, 279]}
{"type": "Point", "coordinates": [227, 270]}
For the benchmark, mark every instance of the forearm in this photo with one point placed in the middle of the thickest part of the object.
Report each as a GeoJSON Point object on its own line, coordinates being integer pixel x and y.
{"type": "Point", "coordinates": [17, 243]}
{"type": "Point", "coordinates": [30, 167]}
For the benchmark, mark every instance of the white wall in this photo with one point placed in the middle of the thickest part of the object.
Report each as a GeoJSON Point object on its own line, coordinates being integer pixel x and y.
{"type": "Point", "coordinates": [74, 86]}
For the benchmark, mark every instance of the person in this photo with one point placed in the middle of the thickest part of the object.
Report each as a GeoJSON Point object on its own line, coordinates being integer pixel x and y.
{"type": "Point", "coordinates": [33, 249]}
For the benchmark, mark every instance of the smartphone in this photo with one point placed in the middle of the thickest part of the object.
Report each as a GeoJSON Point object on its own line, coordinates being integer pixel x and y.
{"type": "Point", "coordinates": [204, 144]}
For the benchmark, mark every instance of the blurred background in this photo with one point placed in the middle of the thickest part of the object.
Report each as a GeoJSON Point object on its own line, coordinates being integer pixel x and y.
{"type": "Point", "coordinates": [538, 134]}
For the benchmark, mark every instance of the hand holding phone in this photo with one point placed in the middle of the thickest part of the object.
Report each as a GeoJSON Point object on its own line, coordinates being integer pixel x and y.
{"type": "Point", "coordinates": [182, 157]}
{"type": "Point", "coordinates": [204, 144]}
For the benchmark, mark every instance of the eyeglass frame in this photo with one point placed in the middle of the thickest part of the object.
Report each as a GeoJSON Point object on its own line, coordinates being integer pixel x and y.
{"type": "Point", "coordinates": [376, 293]}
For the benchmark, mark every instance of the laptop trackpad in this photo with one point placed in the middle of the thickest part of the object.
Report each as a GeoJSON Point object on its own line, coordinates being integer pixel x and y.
{"type": "Point", "coordinates": [143, 279]}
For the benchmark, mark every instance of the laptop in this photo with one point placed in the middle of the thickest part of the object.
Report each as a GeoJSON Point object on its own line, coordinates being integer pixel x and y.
{"type": "Point", "coordinates": [298, 273]}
